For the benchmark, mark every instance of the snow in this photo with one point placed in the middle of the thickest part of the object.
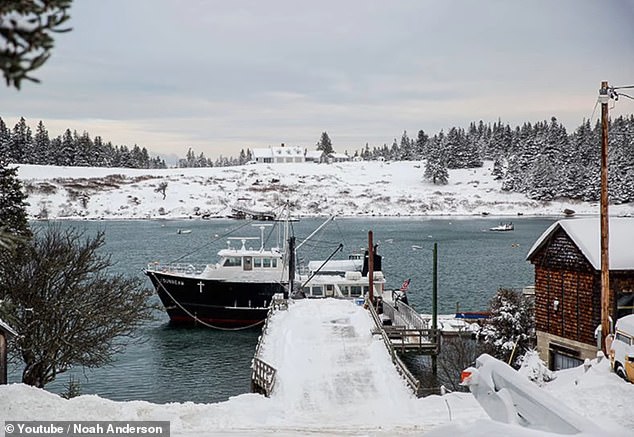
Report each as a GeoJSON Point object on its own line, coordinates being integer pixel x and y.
{"type": "Point", "coordinates": [342, 387]}
{"type": "Point", "coordinates": [367, 188]}
{"type": "Point", "coordinates": [586, 234]}
{"type": "Point", "coordinates": [325, 388]}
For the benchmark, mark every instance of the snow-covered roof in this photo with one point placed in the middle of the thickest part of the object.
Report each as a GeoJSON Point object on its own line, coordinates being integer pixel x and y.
{"type": "Point", "coordinates": [6, 328]}
{"type": "Point", "coordinates": [338, 155]}
{"type": "Point", "coordinates": [270, 152]}
{"type": "Point", "coordinates": [314, 154]}
{"type": "Point", "coordinates": [586, 234]}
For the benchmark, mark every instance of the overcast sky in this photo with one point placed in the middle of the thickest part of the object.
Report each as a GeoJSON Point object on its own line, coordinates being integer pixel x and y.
{"type": "Point", "coordinates": [219, 76]}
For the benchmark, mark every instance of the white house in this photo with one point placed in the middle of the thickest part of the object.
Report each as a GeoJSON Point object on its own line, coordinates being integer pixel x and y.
{"type": "Point", "coordinates": [281, 154]}
{"type": "Point", "coordinates": [315, 156]}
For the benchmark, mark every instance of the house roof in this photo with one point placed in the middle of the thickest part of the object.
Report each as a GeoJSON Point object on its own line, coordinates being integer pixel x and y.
{"type": "Point", "coordinates": [586, 234]}
{"type": "Point", "coordinates": [6, 328]}
{"type": "Point", "coordinates": [315, 154]}
{"type": "Point", "coordinates": [271, 152]}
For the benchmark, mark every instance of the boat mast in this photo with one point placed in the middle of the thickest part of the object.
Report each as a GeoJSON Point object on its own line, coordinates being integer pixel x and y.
{"type": "Point", "coordinates": [328, 220]}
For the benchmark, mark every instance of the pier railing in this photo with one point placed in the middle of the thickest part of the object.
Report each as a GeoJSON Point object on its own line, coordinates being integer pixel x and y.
{"type": "Point", "coordinates": [262, 373]}
{"type": "Point", "coordinates": [401, 368]}
{"type": "Point", "coordinates": [402, 314]}
{"type": "Point", "coordinates": [262, 377]}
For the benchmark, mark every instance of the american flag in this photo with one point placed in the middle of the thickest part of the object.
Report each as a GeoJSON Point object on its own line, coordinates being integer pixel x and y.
{"type": "Point", "coordinates": [405, 285]}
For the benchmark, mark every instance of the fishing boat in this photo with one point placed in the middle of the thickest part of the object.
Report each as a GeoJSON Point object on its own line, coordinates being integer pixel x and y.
{"type": "Point", "coordinates": [235, 292]}
{"type": "Point", "coordinates": [347, 278]}
{"type": "Point", "coordinates": [502, 227]}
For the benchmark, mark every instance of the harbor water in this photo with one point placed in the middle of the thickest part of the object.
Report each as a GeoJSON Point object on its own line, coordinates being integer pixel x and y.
{"type": "Point", "coordinates": [170, 364]}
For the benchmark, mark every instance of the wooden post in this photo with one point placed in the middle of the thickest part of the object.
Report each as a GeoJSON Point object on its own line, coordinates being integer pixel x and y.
{"type": "Point", "coordinates": [371, 267]}
{"type": "Point", "coordinates": [3, 358]}
{"type": "Point", "coordinates": [605, 263]}
{"type": "Point", "coordinates": [434, 310]}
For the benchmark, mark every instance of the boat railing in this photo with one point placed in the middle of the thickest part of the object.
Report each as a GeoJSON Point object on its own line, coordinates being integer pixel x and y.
{"type": "Point", "coordinates": [179, 268]}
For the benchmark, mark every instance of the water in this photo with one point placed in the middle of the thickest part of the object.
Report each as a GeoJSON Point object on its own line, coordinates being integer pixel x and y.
{"type": "Point", "coordinates": [171, 364]}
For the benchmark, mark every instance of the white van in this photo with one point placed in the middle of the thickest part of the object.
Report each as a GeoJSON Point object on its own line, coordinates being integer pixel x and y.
{"type": "Point", "coordinates": [622, 348]}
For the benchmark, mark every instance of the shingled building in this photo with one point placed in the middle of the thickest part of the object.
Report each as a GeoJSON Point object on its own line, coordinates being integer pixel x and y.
{"type": "Point", "coordinates": [567, 260]}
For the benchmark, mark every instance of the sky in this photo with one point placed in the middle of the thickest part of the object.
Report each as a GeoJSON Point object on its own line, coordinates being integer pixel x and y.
{"type": "Point", "coordinates": [222, 76]}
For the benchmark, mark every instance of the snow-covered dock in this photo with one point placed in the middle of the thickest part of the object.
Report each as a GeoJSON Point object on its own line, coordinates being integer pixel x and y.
{"type": "Point", "coordinates": [328, 362]}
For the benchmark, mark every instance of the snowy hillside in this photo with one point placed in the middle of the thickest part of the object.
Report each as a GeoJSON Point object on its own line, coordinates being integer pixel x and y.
{"type": "Point", "coordinates": [346, 189]}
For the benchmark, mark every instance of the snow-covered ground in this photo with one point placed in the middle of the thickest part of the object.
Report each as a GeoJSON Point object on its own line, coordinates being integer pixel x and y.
{"type": "Point", "coordinates": [348, 387]}
{"type": "Point", "coordinates": [346, 189]}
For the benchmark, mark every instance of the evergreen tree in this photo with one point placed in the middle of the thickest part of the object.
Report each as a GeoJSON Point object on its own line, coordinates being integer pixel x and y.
{"type": "Point", "coordinates": [13, 204]}
{"type": "Point", "coordinates": [41, 145]}
{"type": "Point", "coordinates": [20, 142]}
{"type": "Point", "coordinates": [421, 145]}
{"type": "Point", "coordinates": [65, 156]}
{"type": "Point", "coordinates": [436, 168]}
{"type": "Point", "coordinates": [406, 148]}
{"type": "Point", "coordinates": [511, 328]}
{"type": "Point", "coordinates": [324, 144]}
{"type": "Point", "coordinates": [5, 138]}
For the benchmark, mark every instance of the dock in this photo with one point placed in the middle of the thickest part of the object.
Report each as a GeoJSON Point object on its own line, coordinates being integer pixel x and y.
{"type": "Point", "coordinates": [335, 352]}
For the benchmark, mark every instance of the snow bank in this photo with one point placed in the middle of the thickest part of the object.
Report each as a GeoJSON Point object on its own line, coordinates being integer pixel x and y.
{"type": "Point", "coordinates": [346, 189]}
{"type": "Point", "coordinates": [326, 387]}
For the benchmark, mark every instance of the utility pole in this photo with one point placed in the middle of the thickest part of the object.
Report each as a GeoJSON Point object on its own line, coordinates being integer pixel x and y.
{"type": "Point", "coordinates": [604, 97]}
{"type": "Point", "coordinates": [371, 267]}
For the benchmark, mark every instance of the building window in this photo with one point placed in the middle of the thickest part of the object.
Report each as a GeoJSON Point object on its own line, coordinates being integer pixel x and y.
{"type": "Point", "coordinates": [561, 361]}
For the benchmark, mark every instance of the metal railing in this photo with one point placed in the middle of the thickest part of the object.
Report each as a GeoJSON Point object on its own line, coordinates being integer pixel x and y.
{"type": "Point", "coordinates": [179, 268]}
{"type": "Point", "coordinates": [401, 368]}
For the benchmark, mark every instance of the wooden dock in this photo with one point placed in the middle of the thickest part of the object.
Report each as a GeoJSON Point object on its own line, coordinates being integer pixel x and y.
{"type": "Point", "coordinates": [408, 334]}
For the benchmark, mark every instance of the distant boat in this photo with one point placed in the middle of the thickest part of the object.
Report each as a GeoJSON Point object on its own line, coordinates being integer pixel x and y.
{"type": "Point", "coordinates": [503, 227]}
{"type": "Point", "coordinates": [184, 231]}
{"type": "Point", "coordinates": [568, 212]}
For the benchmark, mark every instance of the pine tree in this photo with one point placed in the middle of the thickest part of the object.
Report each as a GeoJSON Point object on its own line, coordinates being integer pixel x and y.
{"type": "Point", "coordinates": [20, 143]}
{"type": "Point", "coordinates": [5, 138]}
{"type": "Point", "coordinates": [511, 328]}
{"type": "Point", "coordinates": [421, 145]}
{"type": "Point", "coordinates": [435, 168]}
{"type": "Point", "coordinates": [41, 145]}
{"type": "Point", "coordinates": [13, 218]}
{"type": "Point", "coordinates": [325, 144]}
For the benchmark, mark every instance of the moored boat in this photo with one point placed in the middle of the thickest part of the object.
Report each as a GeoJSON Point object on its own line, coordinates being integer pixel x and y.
{"type": "Point", "coordinates": [503, 227]}
{"type": "Point", "coordinates": [235, 292]}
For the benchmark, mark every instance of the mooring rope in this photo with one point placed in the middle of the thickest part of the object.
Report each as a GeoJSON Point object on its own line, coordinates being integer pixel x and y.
{"type": "Point", "coordinates": [196, 319]}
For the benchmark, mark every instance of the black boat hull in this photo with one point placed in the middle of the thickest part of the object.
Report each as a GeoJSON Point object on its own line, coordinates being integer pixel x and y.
{"type": "Point", "coordinates": [213, 302]}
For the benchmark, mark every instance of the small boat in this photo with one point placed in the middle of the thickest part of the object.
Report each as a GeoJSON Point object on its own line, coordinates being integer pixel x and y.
{"type": "Point", "coordinates": [184, 231]}
{"type": "Point", "coordinates": [569, 212]}
{"type": "Point", "coordinates": [503, 227]}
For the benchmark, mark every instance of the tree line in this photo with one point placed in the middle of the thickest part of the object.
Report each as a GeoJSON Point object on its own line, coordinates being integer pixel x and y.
{"type": "Point", "coordinates": [541, 160]}
{"type": "Point", "coordinates": [20, 146]}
